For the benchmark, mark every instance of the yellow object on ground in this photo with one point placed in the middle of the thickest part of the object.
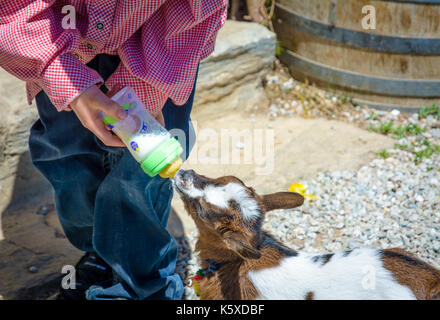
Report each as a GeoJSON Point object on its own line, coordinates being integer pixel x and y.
{"type": "Point", "coordinates": [301, 189]}
{"type": "Point", "coordinates": [170, 170]}
{"type": "Point", "coordinates": [298, 188]}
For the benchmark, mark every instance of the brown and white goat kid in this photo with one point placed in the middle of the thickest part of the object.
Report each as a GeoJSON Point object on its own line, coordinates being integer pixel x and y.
{"type": "Point", "coordinates": [251, 264]}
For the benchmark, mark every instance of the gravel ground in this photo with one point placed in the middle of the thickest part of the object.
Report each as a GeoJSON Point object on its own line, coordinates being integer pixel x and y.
{"type": "Point", "coordinates": [393, 201]}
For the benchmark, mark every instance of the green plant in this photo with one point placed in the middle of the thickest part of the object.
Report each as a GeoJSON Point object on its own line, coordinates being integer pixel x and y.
{"type": "Point", "coordinates": [402, 147]}
{"type": "Point", "coordinates": [427, 151]}
{"type": "Point", "coordinates": [413, 129]}
{"type": "Point", "coordinates": [397, 131]}
{"type": "Point", "coordinates": [279, 49]}
{"type": "Point", "coordinates": [408, 130]}
{"type": "Point", "coordinates": [430, 110]}
{"type": "Point", "coordinates": [384, 154]}
{"type": "Point", "coordinates": [386, 128]}
{"type": "Point", "coordinates": [344, 99]}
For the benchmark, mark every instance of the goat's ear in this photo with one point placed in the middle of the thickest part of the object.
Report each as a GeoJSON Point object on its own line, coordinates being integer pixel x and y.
{"type": "Point", "coordinates": [235, 243]}
{"type": "Point", "coordinates": [282, 200]}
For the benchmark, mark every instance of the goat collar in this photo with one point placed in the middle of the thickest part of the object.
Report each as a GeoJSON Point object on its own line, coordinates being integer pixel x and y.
{"type": "Point", "coordinates": [212, 268]}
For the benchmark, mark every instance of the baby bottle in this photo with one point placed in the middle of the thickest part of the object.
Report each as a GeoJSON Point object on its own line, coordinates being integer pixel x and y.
{"type": "Point", "coordinates": [149, 143]}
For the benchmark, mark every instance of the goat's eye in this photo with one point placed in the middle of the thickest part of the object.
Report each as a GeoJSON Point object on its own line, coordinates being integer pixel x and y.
{"type": "Point", "coordinates": [222, 230]}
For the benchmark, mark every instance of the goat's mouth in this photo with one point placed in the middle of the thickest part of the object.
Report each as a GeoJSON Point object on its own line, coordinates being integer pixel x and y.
{"type": "Point", "coordinates": [189, 183]}
{"type": "Point", "coordinates": [183, 180]}
{"type": "Point", "coordinates": [177, 183]}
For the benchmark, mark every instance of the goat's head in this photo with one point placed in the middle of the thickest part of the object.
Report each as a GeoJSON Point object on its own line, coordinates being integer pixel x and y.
{"type": "Point", "coordinates": [226, 208]}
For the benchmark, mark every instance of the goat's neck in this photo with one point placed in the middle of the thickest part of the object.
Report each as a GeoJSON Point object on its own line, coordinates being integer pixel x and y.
{"type": "Point", "coordinates": [210, 247]}
{"type": "Point", "coordinates": [231, 281]}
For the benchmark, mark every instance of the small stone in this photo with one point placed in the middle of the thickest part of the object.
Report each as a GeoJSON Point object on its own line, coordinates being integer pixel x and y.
{"type": "Point", "coordinates": [395, 113]}
{"type": "Point", "coordinates": [43, 210]}
{"type": "Point", "coordinates": [354, 244]}
{"type": "Point", "coordinates": [311, 235]}
{"type": "Point", "coordinates": [33, 269]}
{"type": "Point", "coordinates": [273, 108]}
{"type": "Point", "coordinates": [435, 133]}
{"type": "Point", "coordinates": [273, 80]}
{"type": "Point", "coordinates": [288, 85]}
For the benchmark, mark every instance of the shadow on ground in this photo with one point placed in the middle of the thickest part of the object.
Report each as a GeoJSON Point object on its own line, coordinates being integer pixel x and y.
{"type": "Point", "coordinates": [34, 248]}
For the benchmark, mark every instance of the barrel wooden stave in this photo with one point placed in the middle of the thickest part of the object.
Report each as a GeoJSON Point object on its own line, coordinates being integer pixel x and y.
{"type": "Point", "coordinates": [373, 68]}
{"type": "Point", "coordinates": [394, 18]}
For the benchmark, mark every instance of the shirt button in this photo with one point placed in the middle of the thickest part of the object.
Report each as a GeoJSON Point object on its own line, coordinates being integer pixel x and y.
{"type": "Point", "coordinates": [100, 26]}
{"type": "Point", "coordinates": [89, 46]}
{"type": "Point", "coordinates": [77, 55]}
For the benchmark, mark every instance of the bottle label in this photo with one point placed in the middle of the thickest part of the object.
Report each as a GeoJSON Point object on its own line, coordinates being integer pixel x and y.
{"type": "Point", "coordinates": [134, 146]}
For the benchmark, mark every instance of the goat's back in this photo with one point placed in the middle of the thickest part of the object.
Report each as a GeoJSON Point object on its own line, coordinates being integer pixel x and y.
{"type": "Point", "coordinates": [420, 277]}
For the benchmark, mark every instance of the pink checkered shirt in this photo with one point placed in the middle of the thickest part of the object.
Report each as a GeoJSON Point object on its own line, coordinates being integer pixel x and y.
{"type": "Point", "coordinates": [160, 43]}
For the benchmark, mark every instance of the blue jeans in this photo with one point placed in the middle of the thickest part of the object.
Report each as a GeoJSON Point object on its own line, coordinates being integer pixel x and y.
{"type": "Point", "coordinates": [106, 203]}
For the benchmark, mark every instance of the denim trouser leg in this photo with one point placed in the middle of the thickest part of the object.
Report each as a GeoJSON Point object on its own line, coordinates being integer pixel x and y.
{"type": "Point", "coordinates": [106, 203]}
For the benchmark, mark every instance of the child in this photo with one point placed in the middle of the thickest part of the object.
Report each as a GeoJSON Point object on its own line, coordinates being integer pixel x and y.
{"type": "Point", "coordinates": [107, 206]}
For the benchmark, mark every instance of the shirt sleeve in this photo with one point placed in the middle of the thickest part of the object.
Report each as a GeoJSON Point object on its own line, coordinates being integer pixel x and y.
{"type": "Point", "coordinates": [160, 60]}
{"type": "Point", "coordinates": [36, 48]}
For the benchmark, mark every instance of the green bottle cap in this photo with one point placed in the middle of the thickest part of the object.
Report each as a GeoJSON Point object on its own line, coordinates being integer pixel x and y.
{"type": "Point", "coordinates": [161, 157]}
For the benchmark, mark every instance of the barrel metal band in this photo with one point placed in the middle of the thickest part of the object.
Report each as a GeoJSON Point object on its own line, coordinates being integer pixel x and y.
{"type": "Point", "coordinates": [356, 81]}
{"type": "Point", "coordinates": [425, 46]}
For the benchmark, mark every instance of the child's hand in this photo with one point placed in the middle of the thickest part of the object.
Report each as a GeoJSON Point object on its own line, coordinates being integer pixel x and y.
{"type": "Point", "coordinates": [86, 107]}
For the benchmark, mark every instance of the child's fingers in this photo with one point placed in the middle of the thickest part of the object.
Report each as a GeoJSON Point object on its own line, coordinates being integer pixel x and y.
{"type": "Point", "coordinates": [86, 108]}
{"type": "Point", "coordinates": [108, 106]}
{"type": "Point", "coordinates": [100, 130]}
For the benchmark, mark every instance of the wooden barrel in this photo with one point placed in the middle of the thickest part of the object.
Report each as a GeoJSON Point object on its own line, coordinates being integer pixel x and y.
{"type": "Point", "coordinates": [396, 65]}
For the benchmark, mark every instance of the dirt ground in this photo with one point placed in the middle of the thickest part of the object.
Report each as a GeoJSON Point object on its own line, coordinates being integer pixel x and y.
{"type": "Point", "coordinates": [35, 249]}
